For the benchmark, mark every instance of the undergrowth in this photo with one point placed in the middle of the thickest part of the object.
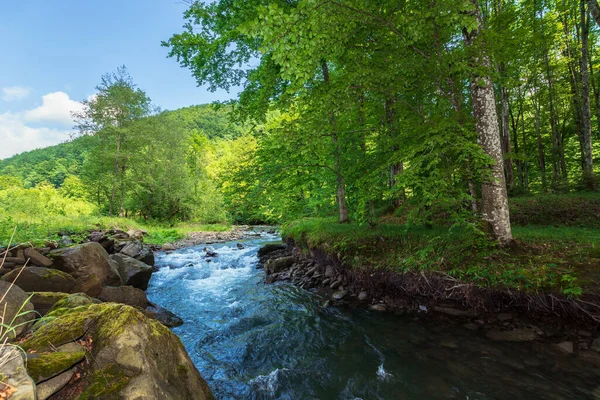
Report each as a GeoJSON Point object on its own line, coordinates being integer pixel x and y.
{"type": "Point", "coordinates": [39, 230]}
{"type": "Point", "coordinates": [542, 259]}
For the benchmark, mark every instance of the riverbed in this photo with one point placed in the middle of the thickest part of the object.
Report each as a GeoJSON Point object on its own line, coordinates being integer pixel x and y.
{"type": "Point", "coordinates": [255, 341]}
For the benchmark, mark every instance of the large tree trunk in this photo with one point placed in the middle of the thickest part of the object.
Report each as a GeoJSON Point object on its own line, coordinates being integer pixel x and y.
{"type": "Point", "coordinates": [397, 167]}
{"type": "Point", "coordinates": [594, 10]}
{"type": "Point", "coordinates": [586, 135]}
{"type": "Point", "coordinates": [494, 195]}
{"type": "Point", "coordinates": [341, 186]}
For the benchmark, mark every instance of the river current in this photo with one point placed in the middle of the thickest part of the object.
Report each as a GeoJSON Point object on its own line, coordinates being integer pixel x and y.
{"type": "Point", "coordinates": [255, 341]}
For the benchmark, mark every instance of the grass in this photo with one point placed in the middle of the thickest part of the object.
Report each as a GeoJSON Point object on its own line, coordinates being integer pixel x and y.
{"type": "Point", "coordinates": [553, 259]}
{"type": "Point", "coordinates": [38, 230]}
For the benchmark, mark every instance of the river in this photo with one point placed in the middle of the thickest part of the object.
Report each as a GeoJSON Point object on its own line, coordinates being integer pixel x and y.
{"type": "Point", "coordinates": [255, 341]}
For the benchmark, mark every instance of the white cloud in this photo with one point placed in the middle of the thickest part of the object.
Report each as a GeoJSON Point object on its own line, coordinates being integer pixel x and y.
{"type": "Point", "coordinates": [16, 136]}
{"type": "Point", "coordinates": [15, 93]}
{"type": "Point", "coordinates": [56, 107]}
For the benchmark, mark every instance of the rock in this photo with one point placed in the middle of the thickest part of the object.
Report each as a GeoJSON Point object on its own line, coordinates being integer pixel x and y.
{"type": "Point", "coordinates": [44, 301]}
{"type": "Point", "coordinates": [269, 248]}
{"type": "Point", "coordinates": [47, 365]}
{"type": "Point", "coordinates": [137, 233]}
{"type": "Point", "coordinates": [70, 347]}
{"type": "Point", "coordinates": [97, 236]}
{"type": "Point", "coordinates": [278, 264]}
{"type": "Point", "coordinates": [515, 335]}
{"type": "Point", "coordinates": [162, 315]}
{"type": "Point", "coordinates": [16, 310]}
{"type": "Point", "coordinates": [14, 260]}
{"type": "Point", "coordinates": [471, 313]}
{"type": "Point", "coordinates": [449, 344]}
{"type": "Point", "coordinates": [472, 327]}
{"type": "Point", "coordinates": [15, 374]}
{"type": "Point", "coordinates": [565, 347]}
{"type": "Point", "coordinates": [363, 296]}
{"type": "Point", "coordinates": [71, 301]}
{"type": "Point", "coordinates": [125, 295]}
{"type": "Point", "coordinates": [503, 317]}
{"type": "Point", "coordinates": [86, 259]}
{"type": "Point", "coordinates": [40, 279]}
{"type": "Point", "coordinates": [239, 246]}
{"type": "Point", "coordinates": [46, 389]}
{"type": "Point", "coordinates": [133, 272]}
{"type": "Point", "coordinates": [134, 357]}
{"type": "Point", "coordinates": [168, 247]}
{"type": "Point", "coordinates": [336, 284]}
{"type": "Point", "coordinates": [66, 241]}
{"type": "Point", "coordinates": [36, 258]}
{"type": "Point", "coordinates": [589, 356]}
{"type": "Point", "coordinates": [140, 252]}
{"type": "Point", "coordinates": [330, 272]}
{"type": "Point", "coordinates": [595, 345]}
{"type": "Point", "coordinates": [211, 254]}
{"type": "Point", "coordinates": [378, 307]}
{"type": "Point", "coordinates": [339, 295]}
{"type": "Point", "coordinates": [89, 284]}
{"type": "Point", "coordinates": [584, 333]}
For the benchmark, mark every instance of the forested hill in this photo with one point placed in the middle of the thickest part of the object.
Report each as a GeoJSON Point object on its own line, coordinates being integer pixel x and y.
{"type": "Point", "coordinates": [54, 163]}
{"type": "Point", "coordinates": [50, 164]}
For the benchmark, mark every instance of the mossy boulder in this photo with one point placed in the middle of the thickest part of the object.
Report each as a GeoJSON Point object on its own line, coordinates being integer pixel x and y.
{"type": "Point", "coordinates": [133, 272]}
{"type": "Point", "coordinates": [16, 308]}
{"type": "Point", "coordinates": [134, 357]}
{"type": "Point", "coordinates": [72, 301]}
{"type": "Point", "coordinates": [43, 301]}
{"type": "Point", "coordinates": [87, 259]}
{"type": "Point", "coordinates": [40, 279]}
{"type": "Point", "coordinates": [42, 367]}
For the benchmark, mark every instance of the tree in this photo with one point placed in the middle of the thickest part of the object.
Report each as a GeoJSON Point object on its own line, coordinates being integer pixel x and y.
{"type": "Point", "coordinates": [109, 115]}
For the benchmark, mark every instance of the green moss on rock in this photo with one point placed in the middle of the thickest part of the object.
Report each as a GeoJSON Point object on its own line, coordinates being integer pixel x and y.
{"type": "Point", "coordinates": [46, 366]}
{"type": "Point", "coordinates": [105, 383]}
{"type": "Point", "coordinates": [72, 301]}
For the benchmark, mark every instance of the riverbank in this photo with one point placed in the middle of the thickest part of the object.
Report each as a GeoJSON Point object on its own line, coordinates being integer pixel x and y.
{"type": "Point", "coordinates": [77, 323]}
{"type": "Point", "coordinates": [541, 289]}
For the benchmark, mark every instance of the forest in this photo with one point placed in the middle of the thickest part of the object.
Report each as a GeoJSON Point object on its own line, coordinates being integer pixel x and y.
{"type": "Point", "coordinates": [433, 113]}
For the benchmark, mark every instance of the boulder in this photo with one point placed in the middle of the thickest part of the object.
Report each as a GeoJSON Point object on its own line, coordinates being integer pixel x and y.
{"type": "Point", "coordinates": [71, 301]}
{"type": "Point", "coordinates": [270, 247]}
{"type": "Point", "coordinates": [275, 265]}
{"type": "Point", "coordinates": [133, 272]}
{"type": "Point", "coordinates": [125, 295]}
{"type": "Point", "coordinates": [138, 251]}
{"type": "Point", "coordinates": [137, 233]}
{"type": "Point", "coordinates": [88, 284]}
{"type": "Point", "coordinates": [134, 357]}
{"type": "Point", "coordinates": [86, 259]}
{"type": "Point", "coordinates": [515, 335]}
{"type": "Point", "coordinates": [162, 315]}
{"type": "Point", "coordinates": [44, 301]}
{"type": "Point", "coordinates": [40, 279]}
{"type": "Point", "coordinates": [17, 309]}
{"type": "Point", "coordinates": [15, 374]}
{"type": "Point", "coordinates": [36, 258]}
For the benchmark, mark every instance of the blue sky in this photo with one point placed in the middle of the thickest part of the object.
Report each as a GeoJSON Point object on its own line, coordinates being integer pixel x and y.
{"type": "Point", "coordinates": [54, 52]}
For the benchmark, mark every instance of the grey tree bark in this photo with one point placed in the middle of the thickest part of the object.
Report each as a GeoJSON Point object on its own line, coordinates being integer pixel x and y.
{"type": "Point", "coordinates": [586, 136]}
{"type": "Point", "coordinates": [341, 185]}
{"type": "Point", "coordinates": [494, 194]}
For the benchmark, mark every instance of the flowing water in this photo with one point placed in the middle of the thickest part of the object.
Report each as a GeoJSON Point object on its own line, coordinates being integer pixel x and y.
{"type": "Point", "coordinates": [255, 341]}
